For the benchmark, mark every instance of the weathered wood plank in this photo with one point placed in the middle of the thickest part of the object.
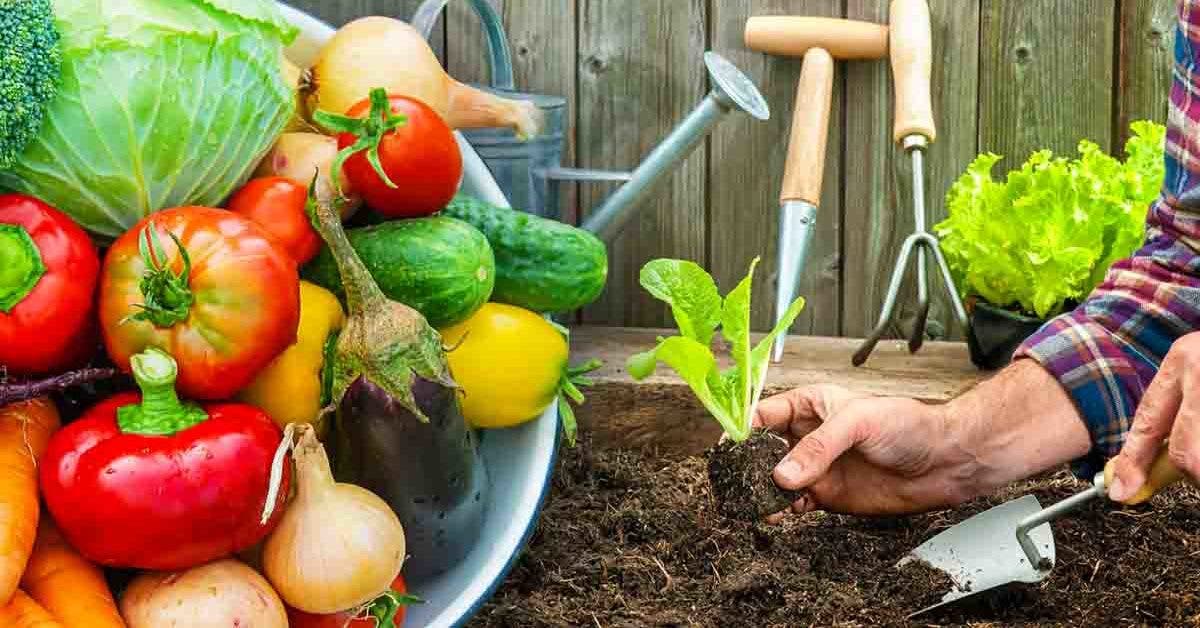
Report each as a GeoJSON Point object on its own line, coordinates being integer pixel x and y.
{"type": "Point", "coordinates": [879, 197]}
{"type": "Point", "coordinates": [1145, 60]}
{"type": "Point", "coordinates": [1047, 76]}
{"type": "Point", "coordinates": [872, 224]}
{"type": "Point", "coordinates": [662, 413]}
{"type": "Point", "coordinates": [541, 35]}
{"type": "Point", "coordinates": [746, 170]}
{"type": "Point", "coordinates": [640, 72]}
{"type": "Point", "coordinates": [338, 13]}
{"type": "Point", "coordinates": [956, 105]}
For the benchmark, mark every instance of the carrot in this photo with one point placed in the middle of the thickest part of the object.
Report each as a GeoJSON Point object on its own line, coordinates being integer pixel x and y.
{"type": "Point", "coordinates": [23, 612]}
{"type": "Point", "coordinates": [25, 429]}
{"type": "Point", "coordinates": [72, 589]}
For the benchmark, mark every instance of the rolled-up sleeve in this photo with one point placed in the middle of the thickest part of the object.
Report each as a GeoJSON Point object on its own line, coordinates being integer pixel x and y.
{"type": "Point", "coordinates": [1106, 351]}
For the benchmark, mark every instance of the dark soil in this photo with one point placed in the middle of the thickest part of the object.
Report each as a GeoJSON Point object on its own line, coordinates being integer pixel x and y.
{"type": "Point", "coordinates": [631, 540]}
{"type": "Point", "coordinates": [740, 477]}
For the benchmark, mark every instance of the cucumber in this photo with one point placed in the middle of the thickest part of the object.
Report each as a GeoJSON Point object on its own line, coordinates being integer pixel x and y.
{"type": "Point", "coordinates": [541, 264]}
{"type": "Point", "coordinates": [439, 266]}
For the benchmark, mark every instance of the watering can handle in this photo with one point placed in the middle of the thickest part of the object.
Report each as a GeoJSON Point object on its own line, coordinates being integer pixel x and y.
{"type": "Point", "coordinates": [499, 55]}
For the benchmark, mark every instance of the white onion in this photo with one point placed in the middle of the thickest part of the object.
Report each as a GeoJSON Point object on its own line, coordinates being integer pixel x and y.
{"type": "Point", "coordinates": [377, 51]}
{"type": "Point", "coordinates": [338, 546]}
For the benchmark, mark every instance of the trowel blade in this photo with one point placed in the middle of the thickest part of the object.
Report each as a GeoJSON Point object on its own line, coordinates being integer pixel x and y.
{"type": "Point", "coordinates": [982, 552]}
{"type": "Point", "coordinates": [796, 222]}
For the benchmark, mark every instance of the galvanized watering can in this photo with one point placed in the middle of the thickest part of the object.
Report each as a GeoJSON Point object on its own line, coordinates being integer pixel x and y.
{"type": "Point", "coordinates": [530, 171]}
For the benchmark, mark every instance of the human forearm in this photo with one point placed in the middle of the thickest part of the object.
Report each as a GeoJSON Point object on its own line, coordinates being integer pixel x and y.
{"type": "Point", "coordinates": [1015, 425]}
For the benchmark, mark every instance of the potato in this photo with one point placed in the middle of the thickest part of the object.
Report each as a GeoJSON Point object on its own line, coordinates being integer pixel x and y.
{"type": "Point", "coordinates": [220, 593]}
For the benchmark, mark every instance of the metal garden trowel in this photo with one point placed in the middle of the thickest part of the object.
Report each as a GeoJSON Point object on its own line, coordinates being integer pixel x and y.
{"type": "Point", "coordinates": [1013, 542]}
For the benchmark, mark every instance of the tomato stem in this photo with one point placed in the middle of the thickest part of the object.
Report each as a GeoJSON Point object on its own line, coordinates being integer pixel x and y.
{"type": "Point", "coordinates": [369, 132]}
{"type": "Point", "coordinates": [383, 609]}
{"type": "Point", "coordinates": [572, 379]}
{"type": "Point", "coordinates": [160, 412]}
{"type": "Point", "coordinates": [168, 297]}
{"type": "Point", "coordinates": [21, 266]}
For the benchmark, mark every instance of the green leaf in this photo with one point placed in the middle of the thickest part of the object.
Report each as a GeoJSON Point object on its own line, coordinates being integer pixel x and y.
{"type": "Point", "coordinates": [760, 356]}
{"type": "Point", "coordinates": [696, 366]}
{"type": "Point", "coordinates": [735, 328]}
{"type": "Point", "coordinates": [691, 293]}
{"type": "Point", "coordinates": [641, 365]}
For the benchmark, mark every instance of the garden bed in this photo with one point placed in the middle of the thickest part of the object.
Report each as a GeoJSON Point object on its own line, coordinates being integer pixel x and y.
{"type": "Point", "coordinates": [632, 539]}
{"type": "Point", "coordinates": [630, 536]}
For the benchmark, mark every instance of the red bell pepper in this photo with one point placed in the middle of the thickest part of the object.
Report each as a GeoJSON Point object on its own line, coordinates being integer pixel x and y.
{"type": "Point", "coordinates": [48, 274]}
{"type": "Point", "coordinates": [150, 482]}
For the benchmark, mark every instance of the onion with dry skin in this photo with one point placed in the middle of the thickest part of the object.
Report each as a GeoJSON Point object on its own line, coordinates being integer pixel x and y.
{"type": "Point", "coordinates": [383, 52]}
{"type": "Point", "coordinates": [221, 593]}
{"type": "Point", "coordinates": [338, 546]}
{"type": "Point", "coordinates": [293, 76]}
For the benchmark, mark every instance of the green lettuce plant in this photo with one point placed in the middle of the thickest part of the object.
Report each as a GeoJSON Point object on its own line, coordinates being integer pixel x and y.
{"type": "Point", "coordinates": [731, 394]}
{"type": "Point", "coordinates": [1046, 235]}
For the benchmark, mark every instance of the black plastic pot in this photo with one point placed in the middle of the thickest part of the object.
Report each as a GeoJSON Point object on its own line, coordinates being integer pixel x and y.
{"type": "Point", "coordinates": [995, 333]}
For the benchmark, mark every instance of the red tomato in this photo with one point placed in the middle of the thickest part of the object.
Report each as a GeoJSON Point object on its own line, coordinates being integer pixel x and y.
{"type": "Point", "coordinates": [420, 156]}
{"type": "Point", "coordinates": [277, 204]}
{"type": "Point", "coordinates": [347, 619]}
{"type": "Point", "coordinates": [223, 319]}
{"type": "Point", "coordinates": [48, 270]}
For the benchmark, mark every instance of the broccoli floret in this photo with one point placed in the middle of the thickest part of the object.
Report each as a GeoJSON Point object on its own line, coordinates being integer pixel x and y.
{"type": "Point", "coordinates": [30, 62]}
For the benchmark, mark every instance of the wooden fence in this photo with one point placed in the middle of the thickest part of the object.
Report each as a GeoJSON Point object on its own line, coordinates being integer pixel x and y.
{"type": "Point", "coordinates": [1010, 76]}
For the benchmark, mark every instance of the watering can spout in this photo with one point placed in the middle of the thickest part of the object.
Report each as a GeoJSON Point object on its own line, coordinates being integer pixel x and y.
{"type": "Point", "coordinates": [730, 90]}
{"type": "Point", "coordinates": [529, 170]}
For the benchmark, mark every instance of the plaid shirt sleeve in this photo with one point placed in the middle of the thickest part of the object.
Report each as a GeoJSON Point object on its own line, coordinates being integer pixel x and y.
{"type": "Point", "coordinates": [1107, 350]}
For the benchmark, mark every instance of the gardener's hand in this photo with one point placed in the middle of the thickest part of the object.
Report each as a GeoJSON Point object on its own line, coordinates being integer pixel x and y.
{"type": "Point", "coordinates": [865, 455]}
{"type": "Point", "coordinates": [857, 454]}
{"type": "Point", "coordinates": [1169, 409]}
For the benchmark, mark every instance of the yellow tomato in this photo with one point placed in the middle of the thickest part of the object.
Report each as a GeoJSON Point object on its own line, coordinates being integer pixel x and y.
{"type": "Point", "coordinates": [509, 363]}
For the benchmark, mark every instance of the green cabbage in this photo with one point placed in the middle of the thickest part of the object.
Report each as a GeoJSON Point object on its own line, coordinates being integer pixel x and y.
{"type": "Point", "coordinates": [162, 103]}
{"type": "Point", "coordinates": [1047, 234]}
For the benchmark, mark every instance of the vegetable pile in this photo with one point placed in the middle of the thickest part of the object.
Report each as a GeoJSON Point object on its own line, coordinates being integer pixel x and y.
{"type": "Point", "coordinates": [1047, 234]}
{"type": "Point", "coordinates": [270, 319]}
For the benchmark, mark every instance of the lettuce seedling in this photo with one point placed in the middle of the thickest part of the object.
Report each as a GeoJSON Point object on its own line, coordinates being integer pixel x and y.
{"type": "Point", "coordinates": [732, 394]}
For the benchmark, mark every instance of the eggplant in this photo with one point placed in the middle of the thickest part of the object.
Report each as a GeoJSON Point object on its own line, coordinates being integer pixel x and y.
{"type": "Point", "coordinates": [399, 429]}
{"type": "Point", "coordinates": [431, 474]}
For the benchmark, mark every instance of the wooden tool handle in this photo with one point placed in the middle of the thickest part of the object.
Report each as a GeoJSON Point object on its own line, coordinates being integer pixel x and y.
{"type": "Point", "coordinates": [792, 36]}
{"type": "Point", "coordinates": [1163, 473]}
{"type": "Point", "coordinates": [805, 165]}
{"type": "Point", "coordinates": [912, 64]}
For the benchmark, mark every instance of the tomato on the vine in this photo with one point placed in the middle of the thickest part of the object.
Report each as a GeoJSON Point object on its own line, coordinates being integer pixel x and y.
{"type": "Point", "coordinates": [398, 154]}
{"type": "Point", "coordinates": [368, 617]}
{"type": "Point", "coordinates": [279, 205]}
{"type": "Point", "coordinates": [206, 285]}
